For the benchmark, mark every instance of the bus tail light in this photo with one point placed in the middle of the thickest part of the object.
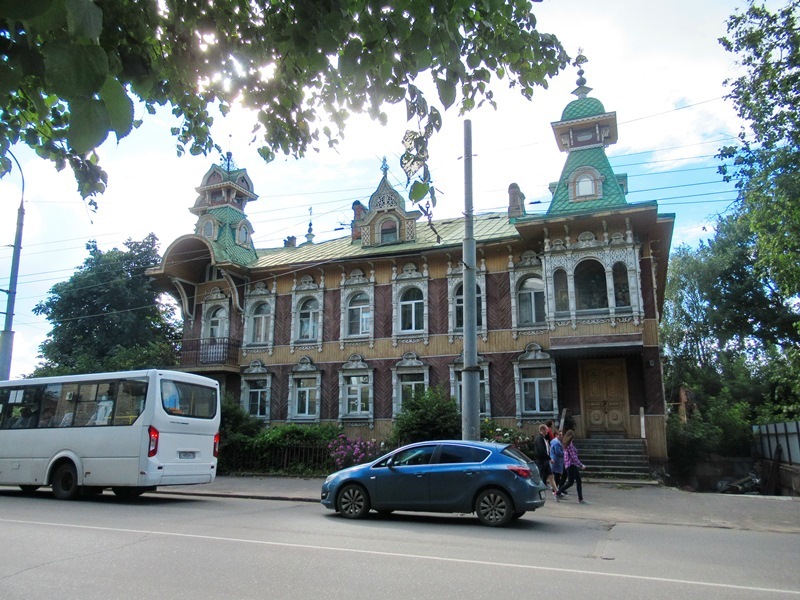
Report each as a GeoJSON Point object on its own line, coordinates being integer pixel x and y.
{"type": "Point", "coordinates": [216, 445]}
{"type": "Point", "coordinates": [152, 449]}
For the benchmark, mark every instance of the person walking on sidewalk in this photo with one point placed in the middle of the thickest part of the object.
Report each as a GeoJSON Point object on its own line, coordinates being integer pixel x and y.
{"type": "Point", "coordinates": [572, 467]}
{"type": "Point", "coordinates": [541, 456]}
{"type": "Point", "coordinates": [557, 458]}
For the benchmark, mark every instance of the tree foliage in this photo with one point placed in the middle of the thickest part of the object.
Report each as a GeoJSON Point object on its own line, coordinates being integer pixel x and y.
{"type": "Point", "coordinates": [429, 415]}
{"type": "Point", "coordinates": [107, 316]}
{"type": "Point", "coordinates": [766, 164]}
{"type": "Point", "coordinates": [730, 341]}
{"type": "Point", "coordinates": [69, 69]}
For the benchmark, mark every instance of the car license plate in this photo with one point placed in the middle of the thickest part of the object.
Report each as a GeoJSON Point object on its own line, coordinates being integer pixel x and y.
{"type": "Point", "coordinates": [186, 455]}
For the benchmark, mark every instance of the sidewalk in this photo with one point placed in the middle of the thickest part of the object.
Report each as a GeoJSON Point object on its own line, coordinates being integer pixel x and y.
{"type": "Point", "coordinates": [613, 502]}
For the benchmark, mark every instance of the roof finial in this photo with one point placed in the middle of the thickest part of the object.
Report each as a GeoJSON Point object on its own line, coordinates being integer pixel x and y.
{"type": "Point", "coordinates": [310, 234]}
{"type": "Point", "coordinates": [384, 167]}
{"type": "Point", "coordinates": [582, 90]}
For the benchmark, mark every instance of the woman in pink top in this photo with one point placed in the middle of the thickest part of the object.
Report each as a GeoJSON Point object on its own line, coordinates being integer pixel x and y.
{"type": "Point", "coordinates": [572, 468]}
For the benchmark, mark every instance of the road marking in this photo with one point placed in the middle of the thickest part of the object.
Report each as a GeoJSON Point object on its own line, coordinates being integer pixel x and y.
{"type": "Point", "coordinates": [466, 561]}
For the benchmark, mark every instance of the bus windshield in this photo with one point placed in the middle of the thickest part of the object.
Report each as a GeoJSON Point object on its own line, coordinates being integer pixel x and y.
{"type": "Point", "coordinates": [188, 399]}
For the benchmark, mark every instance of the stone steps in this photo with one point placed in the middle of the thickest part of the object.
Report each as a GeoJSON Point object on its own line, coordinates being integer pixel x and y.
{"type": "Point", "coordinates": [614, 458]}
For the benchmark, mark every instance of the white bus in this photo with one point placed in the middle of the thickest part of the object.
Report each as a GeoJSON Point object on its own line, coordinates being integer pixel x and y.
{"type": "Point", "coordinates": [130, 431]}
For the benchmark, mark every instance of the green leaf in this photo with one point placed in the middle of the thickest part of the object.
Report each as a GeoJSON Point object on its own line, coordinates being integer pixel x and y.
{"type": "Point", "coordinates": [447, 92]}
{"type": "Point", "coordinates": [9, 78]}
{"type": "Point", "coordinates": [74, 70]}
{"type": "Point", "coordinates": [21, 11]}
{"type": "Point", "coordinates": [119, 106]}
{"type": "Point", "coordinates": [89, 124]}
{"type": "Point", "coordinates": [84, 19]}
{"type": "Point", "coordinates": [418, 191]}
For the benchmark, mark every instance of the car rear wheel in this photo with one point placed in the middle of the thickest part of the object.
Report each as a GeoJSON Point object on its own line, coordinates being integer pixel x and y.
{"type": "Point", "coordinates": [494, 508]}
{"type": "Point", "coordinates": [353, 502]}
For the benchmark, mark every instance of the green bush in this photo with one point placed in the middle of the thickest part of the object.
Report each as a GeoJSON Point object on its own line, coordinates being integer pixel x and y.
{"type": "Point", "coordinates": [690, 442]}
{"type": "Point", "coordinates": [429, 415]}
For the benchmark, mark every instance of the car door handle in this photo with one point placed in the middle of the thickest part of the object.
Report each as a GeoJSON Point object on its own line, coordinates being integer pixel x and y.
{"type": "Point", "coordinates": [419, 474]}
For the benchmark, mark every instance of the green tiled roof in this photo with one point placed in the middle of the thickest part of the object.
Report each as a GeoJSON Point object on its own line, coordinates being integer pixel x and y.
{"type": "Point", "coordinates": [582, 108]}
{"type": "Point", "coordinates": [225, 247]}
{"type": "Point", "coordinates": [493, 226]}
{"type": "Point", "coordinates": [612, 197]}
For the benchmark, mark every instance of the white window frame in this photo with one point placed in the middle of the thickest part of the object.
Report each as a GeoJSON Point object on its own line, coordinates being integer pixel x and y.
{"type": "Point", "coordinates": [455, 276]}
{"type": "Point", "coordinates": [350, 288]}
{"type": "Point", "coordinates": [529, 265]}
{"type": "Point", "coordinates": [256, 373]}
{"type": "Point", "coordinates": [304, 371]}
{"type": "Point", "coordinates": [456, 384]}
{"type": "Point", "coordinates": [409, 365]}
{"type": "Point", "coordinates": [355, 367]}
{"type": "Point", "coordinates": [534, 358]}
{"type": "Point", "coordinates": [303, 291]}
{"type": "Point", "coordinates": [531, 293]}
{"type": "Point", "coordinates": [402, 281]}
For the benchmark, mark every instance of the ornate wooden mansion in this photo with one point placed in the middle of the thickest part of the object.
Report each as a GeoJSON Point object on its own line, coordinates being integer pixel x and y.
{"type": "Point", "coordinates": [344, 330]}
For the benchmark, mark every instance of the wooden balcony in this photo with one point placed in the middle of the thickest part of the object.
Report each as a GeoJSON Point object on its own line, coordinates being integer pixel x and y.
{"type": "Point", "coordinates": [209, 352]}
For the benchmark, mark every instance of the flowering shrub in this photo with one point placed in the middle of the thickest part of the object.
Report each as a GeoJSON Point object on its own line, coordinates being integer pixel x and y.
{"type": "Point", "coordinates": [346, 452]}
{"type": "Point", "coordinates": [490, 432]}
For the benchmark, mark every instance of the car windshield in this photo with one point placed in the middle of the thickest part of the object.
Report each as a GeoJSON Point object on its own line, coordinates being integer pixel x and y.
{"type": "Point", "coordinates": [516, 453]}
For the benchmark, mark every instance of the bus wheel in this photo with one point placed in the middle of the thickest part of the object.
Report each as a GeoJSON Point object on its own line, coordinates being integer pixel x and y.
{"type": "Point", "coordinates": [65, 482]}
{"type": "Point", "coordinates": [29, 489]}
{"type": "Point", "coordinates": [128, 492]}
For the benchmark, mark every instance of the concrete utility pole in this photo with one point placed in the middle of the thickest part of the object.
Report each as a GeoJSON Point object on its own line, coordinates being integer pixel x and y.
{"type": "Point", "coordinates": [470, 381]}
{"type": "Point", "coordinates": [7, 335]}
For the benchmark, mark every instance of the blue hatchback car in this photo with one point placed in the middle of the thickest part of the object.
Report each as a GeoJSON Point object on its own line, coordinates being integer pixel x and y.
{"type": "Point", "coordinates": [495, 481]}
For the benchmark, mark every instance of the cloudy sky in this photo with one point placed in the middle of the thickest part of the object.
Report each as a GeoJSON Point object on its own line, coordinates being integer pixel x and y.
{"type": "Point", "coordinates": [658, 65]}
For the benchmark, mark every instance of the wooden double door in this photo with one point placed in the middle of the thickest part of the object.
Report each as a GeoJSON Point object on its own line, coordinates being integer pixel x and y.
{"type": "Point", "coordinates": [604, 397]}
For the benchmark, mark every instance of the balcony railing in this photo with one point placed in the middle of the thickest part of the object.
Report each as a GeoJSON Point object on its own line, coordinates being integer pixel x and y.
{"type": "Point", "coordinates": [209, 352]}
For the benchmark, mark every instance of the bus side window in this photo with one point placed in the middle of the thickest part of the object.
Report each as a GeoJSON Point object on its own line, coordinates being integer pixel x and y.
{"type": "Point", "coordinates": [130, 402]}
{"type": "Point", "coordinates": [170, 397]}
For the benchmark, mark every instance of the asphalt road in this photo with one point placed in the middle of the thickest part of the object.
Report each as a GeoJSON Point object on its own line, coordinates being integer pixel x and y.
{"type": "Point", "coordinates": [173, 546]}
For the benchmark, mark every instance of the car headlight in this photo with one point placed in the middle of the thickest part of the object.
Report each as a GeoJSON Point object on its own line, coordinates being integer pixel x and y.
{"type": "Point", "coordinates": [328, 479]}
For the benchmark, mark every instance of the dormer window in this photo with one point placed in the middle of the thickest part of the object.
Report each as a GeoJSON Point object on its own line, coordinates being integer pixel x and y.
{"type": "Point", "coordinates": [388, 231]}
{"type": "Point", "coordinates": [584, 186]}
{"type": "Point", "coordinates": [208, 229]}
{"type": "Point", "coordinates": [585, 183]}
{"type": "Point", "coordinates": [244, 235]}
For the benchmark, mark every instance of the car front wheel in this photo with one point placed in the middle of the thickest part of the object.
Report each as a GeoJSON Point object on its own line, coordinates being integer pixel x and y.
{"type": "Point", "coordinates": [353, 502]}
{"type": "Point", "coordinates": [494, 508]}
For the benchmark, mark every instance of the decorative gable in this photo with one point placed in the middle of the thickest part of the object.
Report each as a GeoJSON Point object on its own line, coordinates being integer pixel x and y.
{"type": "Point", "coordinates": [385, 219]}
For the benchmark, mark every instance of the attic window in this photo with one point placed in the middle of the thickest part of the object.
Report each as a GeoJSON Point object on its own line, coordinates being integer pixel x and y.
{"type": "Point", "coordinates": [584, 186]}
{"type": "Point", "coordinates": [208, 230]}
{"type": "Point", "coordinates": [585, 183]}
{"type": "Point", "coordinates": [388, 231]}
{"type": "Point", "coordinates": [243, 235]}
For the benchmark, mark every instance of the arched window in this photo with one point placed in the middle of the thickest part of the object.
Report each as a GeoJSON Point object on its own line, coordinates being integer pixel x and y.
{"type": "Point", "coordinates": [208, 230]}
{"type": "Point", "coordinates": [243, 234]}
{"type": "Point", "coordinates": [359, 315]}
{"type": "Point", "coordinates": [260, 323]}
{"type": "Point", "coordinates": [460, 306]}
{"type": "Point", "coordinates": [307, 319]}
{"type": "Point", "coordinates": [622, 295]}
{"type": "Point", "coordinates": [218, 323]}
{"type": "Point", "coordinates": [530, 301]}
{"type": "Point", "coordinates": [561, 290]}
{"type": "Point", "coordinates": [388, 231]}
{"type": "Point", "coordinates": [584, 186]}
{"type": "Point", "coordinates": [412, 310]}
{"type": "Point", "coordinates": [590, 286]}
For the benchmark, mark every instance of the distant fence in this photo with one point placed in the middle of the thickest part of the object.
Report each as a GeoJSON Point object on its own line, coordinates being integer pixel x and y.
{"type": "Point", "coordinates": [296, 460]}
{"type": "Point", "coordinates": [767, 438]}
